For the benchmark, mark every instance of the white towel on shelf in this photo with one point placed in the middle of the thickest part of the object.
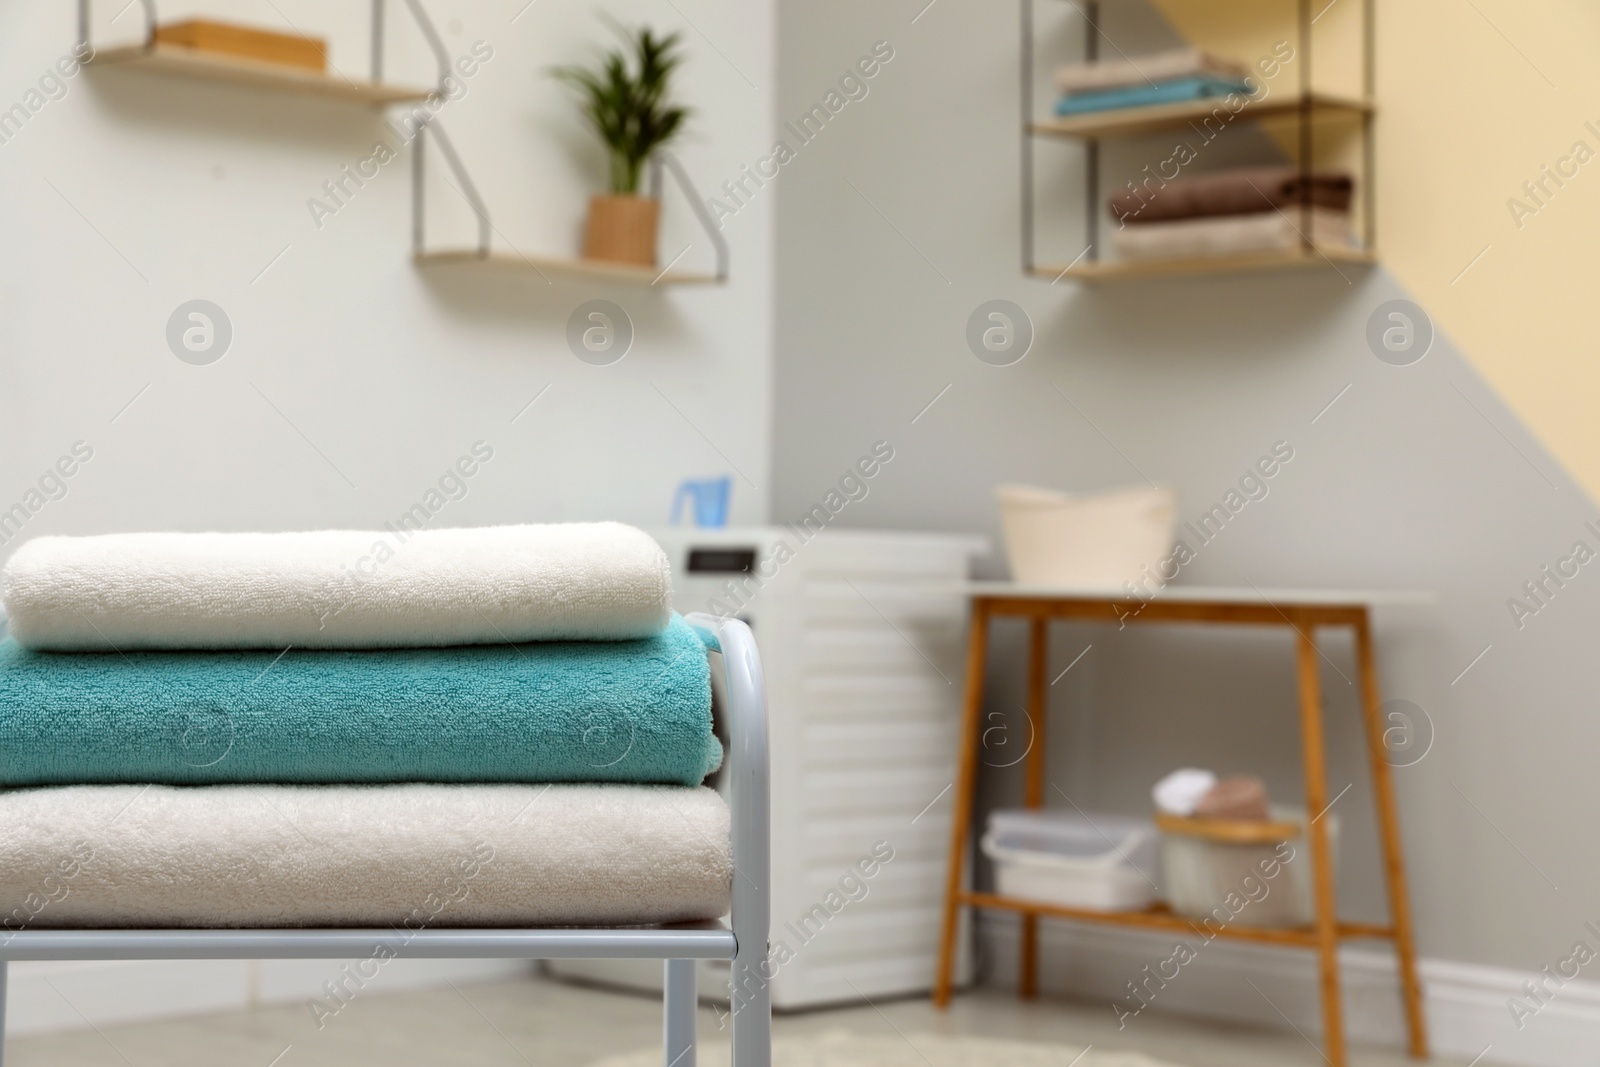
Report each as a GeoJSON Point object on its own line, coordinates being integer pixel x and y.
{"type": "Point", "coordinates": [394, 588]}
{"type": "Point", "coordinates": [1181, 791]}
{"type": "Point", "coordinates": [1223, 235]}
{"type": "Point", "coordinates": [400, 857]}
{"type": "Point", "coordinates": [1143, 70]}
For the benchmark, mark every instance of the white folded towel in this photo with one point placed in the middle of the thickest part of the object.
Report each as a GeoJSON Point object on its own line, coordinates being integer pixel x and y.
{"type": "Point", "coordinates": [401, 857]}
{"type": "Point", "coordinates": [1180, 792]}
{"type": "Point", "coordinates": [1231, 235]}
{"type": "Point", "coordinates": [337, 588]}
{"type": "Point", "coordinates": [1143, 70]}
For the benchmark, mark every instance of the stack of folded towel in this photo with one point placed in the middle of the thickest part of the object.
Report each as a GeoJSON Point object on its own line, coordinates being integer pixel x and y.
{"type": "Point", "coordinates": [502, 726]}
{"type": "Point", "coordinates": [1233, 212]}
{"type": "Point", "coordinates": [1200, 794]}
{"type": "Point", "coordinates": [1163, 78]}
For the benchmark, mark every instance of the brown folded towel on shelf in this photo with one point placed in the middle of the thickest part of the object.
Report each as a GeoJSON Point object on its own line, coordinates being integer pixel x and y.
{"type": "Point", "coordinates": [1239, 191]}
{"type": "Point", "coordinates": [1240, 796]}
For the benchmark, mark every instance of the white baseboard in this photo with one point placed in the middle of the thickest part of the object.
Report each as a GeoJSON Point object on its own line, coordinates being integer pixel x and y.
{"type": "Point", "coordinates": [66, 996]}
{"type": "Point", "coordinates": [1466, 1004]}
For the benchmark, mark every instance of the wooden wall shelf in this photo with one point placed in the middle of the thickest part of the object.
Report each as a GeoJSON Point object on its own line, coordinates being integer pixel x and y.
{"type": "Point", "coordinates": [483, 254]}
{"type": "Point", "coordinates": [1304, 106]}
{"type": "Point", "coordinates": [574, 268]}
{"type": "Point", "coordinates": [182, 60]}
{"type": "Point", "coordinates": [1111, 270]}
{"type": "Point", "coordinates": [1132, 121]}
{"type": "Point", "coordinates": [206, 66]}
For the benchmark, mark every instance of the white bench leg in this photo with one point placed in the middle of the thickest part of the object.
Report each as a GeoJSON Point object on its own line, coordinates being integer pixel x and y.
{"type": "Point", "coordinates": [678, 1009]}
{"type": "Point", "coordinates": [4, 966]}
{"type": "Point", "coordinates": [749, 795]}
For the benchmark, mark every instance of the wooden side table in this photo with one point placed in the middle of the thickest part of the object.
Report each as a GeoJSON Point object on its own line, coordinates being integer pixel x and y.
{"type": "Point", "coordinates": [1303, 612]}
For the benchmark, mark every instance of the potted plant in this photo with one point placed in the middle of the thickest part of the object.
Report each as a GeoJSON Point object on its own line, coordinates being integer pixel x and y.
{"type": "Point", "coordinates": [627, 105]}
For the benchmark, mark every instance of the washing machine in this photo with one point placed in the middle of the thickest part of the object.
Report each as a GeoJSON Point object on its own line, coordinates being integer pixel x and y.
{"type": "Point", "coordinates": [861, 635]}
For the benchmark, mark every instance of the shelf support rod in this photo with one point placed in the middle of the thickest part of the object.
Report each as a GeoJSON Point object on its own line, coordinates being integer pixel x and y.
{"type": "Point", "coordinates": [418, 151]}
{"type": "Point", "coordinates": [660, 160]}
{"type": "Point", "coordinates": [681, 175]}
{"type": "Point", "coordinates": [377, 41]}
{"type": "Point", "coordinates": [149, 8]}
{"type": "Point", "coordinates": [467, 189]}
{"type": "Point", "coordinates": [435, 43]}
{"type": "Point", "coordinates": [1369, 89]}
{"type": "Point", "coordinates": [1307, 133]}
{"type": "Point", "coordinates": [1027, 137]}
{"type": "Point", "coordinates": [1091, 162]}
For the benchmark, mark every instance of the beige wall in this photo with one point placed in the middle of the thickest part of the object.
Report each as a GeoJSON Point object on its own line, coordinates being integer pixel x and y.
{"type": "Point", "coordinates": [1474, 97]}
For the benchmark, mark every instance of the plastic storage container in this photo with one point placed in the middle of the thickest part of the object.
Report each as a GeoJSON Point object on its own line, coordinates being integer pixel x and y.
{"type": "Point", "coordinates": [1096, 541]}
{"type": "Point", "coordinates": [1229, 884]}
{"type": "Point", "coordinates": [1108, 864]}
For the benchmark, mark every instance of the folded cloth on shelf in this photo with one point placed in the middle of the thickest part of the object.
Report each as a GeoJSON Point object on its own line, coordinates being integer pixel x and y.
{"type": "Point", "coordinates": [338, 588]}
{"type": "Point", "coordinates": [568, 711]}
{"type": "Point", "coordinates": [1270, 231]}
{"type": "Point", "coordinates": [1179, 90]}
{"type": "Point", "coordinates": [1237, 191]}
{"type": "Point", "coordinates": [1178, 793]}
{"type": "Point", "coordinates": [1239, 796]}
{"type": "Point", "coordinates": [1142, 70]}
{"type": "Point", "coordinates": [402, 857]}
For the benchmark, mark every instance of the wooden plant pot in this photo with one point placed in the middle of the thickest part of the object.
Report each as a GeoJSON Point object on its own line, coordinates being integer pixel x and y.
{"type": "Point", "coordinates": [622, 229]}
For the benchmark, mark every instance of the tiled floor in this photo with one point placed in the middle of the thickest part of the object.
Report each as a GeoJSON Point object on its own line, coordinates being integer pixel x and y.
{"type": "Point", "coordinates": [541, 1023]}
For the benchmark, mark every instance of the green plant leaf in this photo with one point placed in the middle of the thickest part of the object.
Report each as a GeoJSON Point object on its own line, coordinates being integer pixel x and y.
{"type": "Point", "coordinates": [628, 105]}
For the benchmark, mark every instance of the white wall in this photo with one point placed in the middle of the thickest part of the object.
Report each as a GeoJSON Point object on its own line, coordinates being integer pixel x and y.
{"type": "Point", "coordinates": [355, 379]}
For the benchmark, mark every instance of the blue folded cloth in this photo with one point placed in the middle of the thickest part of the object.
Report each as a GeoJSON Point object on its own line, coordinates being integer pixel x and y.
{"type": "Point", "coordinates": [569, 711]}
{"type": "Point", "coordinates": [1197, 87]}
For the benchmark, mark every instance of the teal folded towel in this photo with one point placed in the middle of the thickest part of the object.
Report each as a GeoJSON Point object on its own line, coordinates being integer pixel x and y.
{"type": "Point", "coordinates": [569, 711]}
{"type": "Point", "coordinates": [1178, 90]}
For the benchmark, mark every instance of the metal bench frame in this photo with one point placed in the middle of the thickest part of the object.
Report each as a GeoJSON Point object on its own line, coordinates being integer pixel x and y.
{"type": "Point", "coordinates": [743, 941]}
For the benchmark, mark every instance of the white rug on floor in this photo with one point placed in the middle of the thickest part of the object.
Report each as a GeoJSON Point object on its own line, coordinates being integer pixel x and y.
{"type": "Point", "coordinates": [839, 1049]}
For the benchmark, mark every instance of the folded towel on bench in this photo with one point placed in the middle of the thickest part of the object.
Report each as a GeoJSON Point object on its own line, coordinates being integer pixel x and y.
{"type": "Point", "coordinates": [402, 857]}
{"type": "Point", "coordinates": [337, 588]}
{"type": "Point", "coordinates": [570, 711]}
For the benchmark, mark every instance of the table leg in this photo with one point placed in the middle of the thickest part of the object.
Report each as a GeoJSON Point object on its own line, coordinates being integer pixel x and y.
{"type": "Point", "coordinates": [1316, 773]}
{"type": "Point", "coordinates": [961, 803]}
{"type": "Point", "coordinates": [1033, 784]}
{"type": "Point", "coordinates": [1389, 831]}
